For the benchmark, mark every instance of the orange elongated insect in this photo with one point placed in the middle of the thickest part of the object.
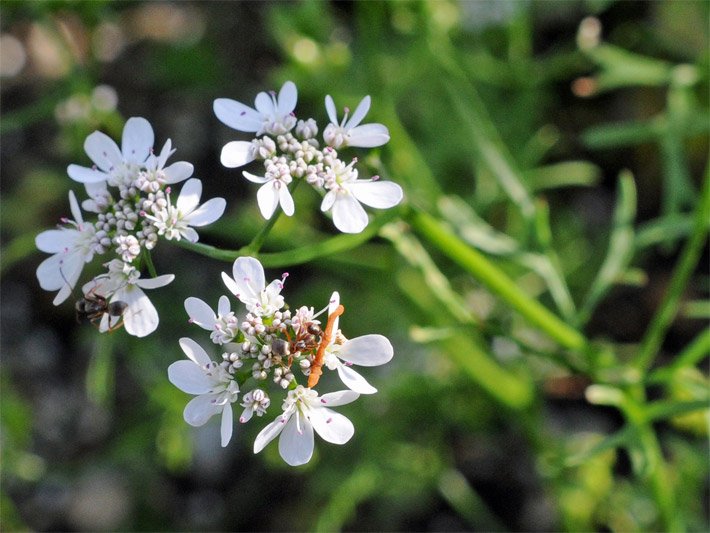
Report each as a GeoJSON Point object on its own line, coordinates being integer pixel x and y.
{"type": "Point", "coordinates": [325, 339]}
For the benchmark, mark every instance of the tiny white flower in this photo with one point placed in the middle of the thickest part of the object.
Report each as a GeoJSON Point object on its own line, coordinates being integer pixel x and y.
{"type": "Point", "coordinates": [349, 132]}
{"type": "Point", "coordinates": [249, 285]}
{"type": "Point", "coordinates": [213, 385]}
{"type": "Point", "coordinates": [254, 401]}
{"type": "Point", "coordinates": [114, 165]}
{"type": "Point", "coordinates": [223, 326]}
{"type": "Point", "coordinates": [346, 192]}
{"type": "Point", "coordinates": [128, 247]}
{"type": "Point", "coordinates": [99, 197]}
{"type": "Point", "coordinates": [155, 169]}
{"type": "Point", "coordinates": [367, 350]}
{"type": "Point", "coordinates": [273, 115]}
{"type": "Point", "coordinates": [175, 221]}
{"type": "Point", "coordinates": [71, 247]}
{"type": "Point", "coordinates": [304, 411]}
{"type": "Point", "coordinates": [123, 284]}
{"type": "Point", "coordinates": [274, 190]}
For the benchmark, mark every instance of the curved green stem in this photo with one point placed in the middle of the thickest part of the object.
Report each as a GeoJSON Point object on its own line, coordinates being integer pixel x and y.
{"type": "Point", "coordinates": [498, 282]}
{"type": "Point", "coordinates": [666, 313]}
{"type": "Point", "coordinates": [296, 256]}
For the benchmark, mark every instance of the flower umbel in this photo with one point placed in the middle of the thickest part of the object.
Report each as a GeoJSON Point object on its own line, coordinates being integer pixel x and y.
{"type": "Point", "coordinates": [290, 155]}
{"type": "Point", "coordinates": [271, 342]}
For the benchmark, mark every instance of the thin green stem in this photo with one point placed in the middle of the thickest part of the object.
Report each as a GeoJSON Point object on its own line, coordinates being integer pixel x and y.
{"type": "Point", "coordinates": [668, 309]}
{"type": "Point", "coordinates": [297, 256]}
{"type": "Point", "coordinates": [149, 264]}
{"type": "Point", "coordinates": [496, 280]}
{"type": "Point", "coordinates": [695, 352]}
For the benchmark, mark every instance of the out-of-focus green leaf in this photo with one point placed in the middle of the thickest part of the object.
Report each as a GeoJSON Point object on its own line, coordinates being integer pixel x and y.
{"type": "Point", "coordinates": [621, 247]}
{"type": "Point", "coordinates": [563, 174]}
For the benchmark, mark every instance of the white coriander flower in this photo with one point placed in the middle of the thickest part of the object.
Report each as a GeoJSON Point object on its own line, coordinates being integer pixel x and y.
{"type": "Point", "coordinates": [155, 175]}
{"type": "Point", "coordinates": [128, 247]}
{"type": "Point", "coordinates": [117, 166]}
{"type": "Point", "coordinates": [71, 247]}
{"type": "Point", "coordinates": [254, 401]}
{"type": "Point", "coordinates": [213, 385]}
{"type": "Point", "coordinates": [249, 285]}
{"type": "Point", "coordinates": [349, 132]}
{"type": "Point", "coordinates": [367, 350]}
{"type": "Point", "coordinates": [99, 197]}
{"type": "Point", "coordinates": [223, 326]}
{"type": "Point", "coordinates": [274, 190]}
{"type": "Point", "coordinates": [123, 284]}
{"type": "Point", "coordinates": [273, 115]}
{"type": "Point", "coordinates": [175, 221]}
{"type": "Point", "coordinates": [304, 411]}
{"type": "Point", "coordinates": [345, 192]}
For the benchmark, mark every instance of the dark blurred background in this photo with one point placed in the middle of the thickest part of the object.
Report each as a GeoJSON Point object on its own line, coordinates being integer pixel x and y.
{"type": "Point", "coordinates": [92, 432]}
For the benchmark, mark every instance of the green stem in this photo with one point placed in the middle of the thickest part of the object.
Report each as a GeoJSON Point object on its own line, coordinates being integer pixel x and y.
{"type": "Point", "coordinates": [666, 313]}
{"type": "Point", "coordinates": [304, 254]}
{"type": "Point", "coordinates": [149, 264]}
{"type": "Point", "coordinates": [497, 281]}
{"type": "Point", "coordinates": [695, 352]}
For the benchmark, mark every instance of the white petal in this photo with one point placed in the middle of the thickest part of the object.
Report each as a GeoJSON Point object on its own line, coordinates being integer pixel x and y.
{"type": "Point", "coordinates": [53, 241]}
{"type": "Point", "coordinates": [137, 140]}
{"type": "Point", "coordinates": [178, 171]}
{"type": "Point", "coordinates": [207, 212]}
{"type": "Point", "coordinates": [330, 109]}
{"type": "Point", "coordinates": [155, 283]}
{"type": "Point", "coordinates": [189, 234]}
{"type": "Point", "coordinates": [368, 136]}
{"type": "Point", "coordinates": [227, 424]}
{"type": "Point", "coordinates": [200, 313]}
{"type": "Point", "coordinates": [86, 175]}
{"type": "Point", "coordinates": [200, 409]}
{"type": "Point", "coordinates": [74, 207]}
{"type": "Point", "coordinates": [269, 433]}
{"type": "Point", "coordinates": [264, 104]}
{"type": "Point", "coordinates": [286, 201]}
{"type": "Point", "coordinates": [331, 426]}
{"type": "Point", "coordinates": [268, 198]}
{"type": "Point", "coordinates": [189, 378]}
{"type": "Point", "coordinates": [231, 285]}
{"type": "Point", "coordinates": [354, 381]}
{"type": "Point", "coordinates": [237, 154]}
{"type": "Point", "coordinates": [189, 197]}
{"type": "Point", "coordinates": [296, 448]}
{"type": "Point", "coordinates": [343, 397]}
{"type": "Point", "coordinates": [103, 151]}
{"type": "Point", "coordinates": [237, 115]}
{"type": "Point", "coordinates": [254, 178]}
{"type": "Point", "coordinates": [194, 351]}
{"type": "Point", "coordinates": [249, 277]}
{"type": "Point", "coordinates": [288, 96]}
{"type": "Point", "coordinates": [378, 194]}
{"type": "Point", "coordinates": [141, 318]}
{"type": "Point", "coordinates": [223, 307]}
{"type": "Point", "coordinates": [49, 275]}
{"type": "Point", "coordinates": [362, 108]}
{"type": "Point", "coordinates": [166, 152]}
{"type": "Point", "coordinates": [348, 214]}
{"type": "Point", "coordinates": [70, 268]}
{"type": "Point", "coordinates": [368, 350]}
{"type": "Point", "coordinates": [328, 201]}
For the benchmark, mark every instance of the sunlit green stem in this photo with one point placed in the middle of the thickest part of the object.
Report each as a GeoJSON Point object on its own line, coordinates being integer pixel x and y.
{"type": "Point", "coordinates": [496, 280]}
{"type": "Point", "coordinates": [683, 270]}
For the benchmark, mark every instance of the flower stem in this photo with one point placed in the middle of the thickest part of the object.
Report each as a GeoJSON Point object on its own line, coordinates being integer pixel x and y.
{"type": "Point", "coordinates": [304, 254]}
{"type": "Point", "coordinates": [497, 281]}
{"type": "Point", "coordinates": [149, 264]}
{"type": "Point", "coordinates": [666, 313]}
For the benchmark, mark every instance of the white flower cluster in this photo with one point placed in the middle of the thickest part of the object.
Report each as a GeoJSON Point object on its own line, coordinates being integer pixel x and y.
{"type": "Point", "coordinates": [289, 151]}
{"type": "Point", "coordinates": [273, 343]}
{"type": "Point", "coordinates": [129, 190]}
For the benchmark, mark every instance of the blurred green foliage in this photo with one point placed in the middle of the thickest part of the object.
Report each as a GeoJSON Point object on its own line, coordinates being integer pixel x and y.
{"type": "Point", "coordinates": [535, 286]}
